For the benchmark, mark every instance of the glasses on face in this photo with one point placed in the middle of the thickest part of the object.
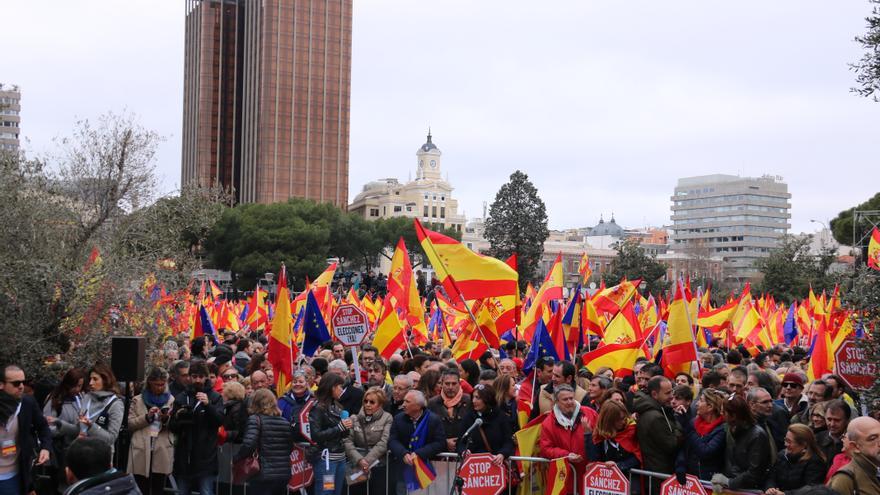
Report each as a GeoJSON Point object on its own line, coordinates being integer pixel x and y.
{"type": "Point", "coordinates": [230, 376]}
{"type": "Point", "coordinates": [790, 385]}
{"type": "Point", "coordinates": [370, 401]}
{"type": "Point", "coordinates": [16, 383]}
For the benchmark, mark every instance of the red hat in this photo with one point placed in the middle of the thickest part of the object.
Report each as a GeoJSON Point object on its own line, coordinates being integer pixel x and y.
{"type": "Point", "coordinates": [793, 378]}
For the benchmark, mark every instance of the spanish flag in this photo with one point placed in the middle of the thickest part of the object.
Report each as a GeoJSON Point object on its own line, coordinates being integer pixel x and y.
{"type": "Point", "coordinates": [404, 295]}
{"type": "Point", "coordinates": [421, 473]}
{"type": "Point", "coordinates": [280, 337]}
{"type": "Point", "coordinates": [389, 331]}
{"type": "Point", "coordinates": [558, 473]}
{"type": "Point", "coordinates": [551, 289]}
{"type": "Point", "coordinates": [462, 271]}
{"type": "Point", "coordinates": [874, 250]}
{"type": "Point", "coordinates": [527, 446]}
{"type": "Point", "coordinates": [680, 350]}
{"type": "Point", "coordinates": [619, 357]}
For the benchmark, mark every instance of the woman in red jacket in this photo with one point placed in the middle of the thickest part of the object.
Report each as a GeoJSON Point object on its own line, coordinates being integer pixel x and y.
{"type": "Point", "coordinates": [565, 430]}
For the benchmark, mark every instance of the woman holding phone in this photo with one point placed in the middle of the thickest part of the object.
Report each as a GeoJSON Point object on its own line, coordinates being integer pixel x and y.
{"type": "Point", "coordinates": [151, 453]}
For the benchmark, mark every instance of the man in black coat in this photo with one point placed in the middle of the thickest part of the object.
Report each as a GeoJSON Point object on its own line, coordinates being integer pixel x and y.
{"type": "Point", "coordinates": [21, 412]}
{"type": "Point", "coordinates": [195, 418]}
{"type": "Point", "coordinates": [403, 426]}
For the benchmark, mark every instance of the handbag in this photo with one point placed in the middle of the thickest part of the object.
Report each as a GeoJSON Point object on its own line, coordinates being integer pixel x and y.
{"type": "Point", "coordinates": [248, 467]}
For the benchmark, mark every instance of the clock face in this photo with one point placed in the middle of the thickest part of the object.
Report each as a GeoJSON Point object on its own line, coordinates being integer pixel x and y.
{"type": "Point", "coordinates": [433, 163]}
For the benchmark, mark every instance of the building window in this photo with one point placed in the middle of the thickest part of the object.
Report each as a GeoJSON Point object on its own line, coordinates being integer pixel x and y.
{"type": "Point", "coordinates": [398, 209]}
{"type": "Point", "coordinates": [426, 211]}
{"type": "Point", "coordinates": [442, 212]}
{"type": "Point", "coordinates": [442, 198]}
{"type": "Point", "coordinates": [433, 212]}
{"type": "Point", "coordinates": [408, 208]}
{"type": "Point", "coordinates": [374, 212]}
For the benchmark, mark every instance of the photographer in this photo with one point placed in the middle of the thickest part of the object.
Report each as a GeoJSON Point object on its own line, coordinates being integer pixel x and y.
{"type": "Point", "coordinates": [195, 418]}
{"type": "Point", "coordinates": [151, 451]}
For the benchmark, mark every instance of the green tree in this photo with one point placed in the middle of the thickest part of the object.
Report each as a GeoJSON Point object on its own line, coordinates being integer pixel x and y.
{"type": "Point", "coordinates": [517, 223]}
{"type": "Point", "coordinates": [790, 270]}
{"type": "Point", "coordinates": [867, 69]}
{"type": "Point", "coordinates": [632, 263]}
{"type": "Point", "coordinates": [842, 224]}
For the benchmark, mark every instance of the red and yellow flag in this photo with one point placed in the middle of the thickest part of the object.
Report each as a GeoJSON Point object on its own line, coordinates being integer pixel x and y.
{"type": "Point", "coordinates": [551, 289]}
{"type": "Point", "coordinates": [619, 357]}
{"type": "Point", "coordinates": [403, 293]}
{"type": "Point", "coordinates": [281, 346]}
{"type": "Point", "coordinates": [680, 350]}
{"type": "Point", "coordinates": [874, 249]}
{"type": "Point", "coordinates": [389, 335]}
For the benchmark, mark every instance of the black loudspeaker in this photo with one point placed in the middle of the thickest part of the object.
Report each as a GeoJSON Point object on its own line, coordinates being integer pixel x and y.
{"type": "Point", "coordinates": [127, 358]}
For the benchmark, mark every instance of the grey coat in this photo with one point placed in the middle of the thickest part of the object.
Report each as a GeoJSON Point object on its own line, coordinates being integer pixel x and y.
{"type": "Point", "coordinates": [141, 456]}
{"type": "Point", "coordinates": [96, 402]}
{"type": "Point", "coordinates": [369, 434]}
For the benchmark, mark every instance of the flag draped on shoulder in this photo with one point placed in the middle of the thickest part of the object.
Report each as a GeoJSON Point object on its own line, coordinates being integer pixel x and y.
{"type": "Point", "coordinates": [421, 473]}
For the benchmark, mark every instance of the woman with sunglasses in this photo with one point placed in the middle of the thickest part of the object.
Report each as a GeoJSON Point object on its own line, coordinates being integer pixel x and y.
{"type": "Point", "coordinates": [368, 443]}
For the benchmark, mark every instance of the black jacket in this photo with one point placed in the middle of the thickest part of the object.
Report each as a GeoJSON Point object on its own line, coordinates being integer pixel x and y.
{"type": "Point", "coordinates": [747, 461]}
{"type": "Point", "coordinates": [326, 429]}
{"type": "Point", "coordinates": [659, 434]}
{"type": "Point", "coordinates": [272, 437]}
{"type": "Point", "coordinates": [792, 472]}
{"type": "Point", "coordinates": [702, 456]}
{"type": "Point", "coordinates": [234, 420]}
{"type": "Point", "coordinates": [828, 445]}
{"type": "Point", "coordinates": [112, 482]}
{"type": "Point", "coordinates": [402, 429]}
{"type": "Point", "coordinates": [462, 415]}
{"type": "Point", "coordinates": [33, 435]}
{"type": "Point", "coordinates": [352, 399]}
{"type": "Point", "coordinates": [195, 425]}
{"type": "Point", "coordinates": [496, 427]}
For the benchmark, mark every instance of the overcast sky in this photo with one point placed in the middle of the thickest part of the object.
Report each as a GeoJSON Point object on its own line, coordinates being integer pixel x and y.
{"type": "Point", "coordinates": [604, 104]}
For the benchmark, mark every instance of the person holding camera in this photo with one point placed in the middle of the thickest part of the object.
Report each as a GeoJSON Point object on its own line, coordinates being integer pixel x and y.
{"type": "Point", "coordinates": [151, 452]}
{"type": "Point", "coordinates": [195, 418]}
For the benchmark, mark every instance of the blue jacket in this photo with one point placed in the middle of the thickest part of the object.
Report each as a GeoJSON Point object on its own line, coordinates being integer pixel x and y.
{"type": "Point", "coordinates": [402, 429]}
{"type": "Point", "coordinates": [702, 456]}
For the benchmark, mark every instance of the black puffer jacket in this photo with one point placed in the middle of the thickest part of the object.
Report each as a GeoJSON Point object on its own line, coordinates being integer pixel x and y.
{"type": "Point", "coordinates": [498, 433]}
{"type": "Point", "coordinates": [195, 426]}
{"type": "Point", "coordinates": [272, 437]}
{"type": "Point", "coordinates": [326, 429]}
{"type": "Point", "coordinates": [748, 457]}
{"type": "Point", "coordinates": [791, 472]}
{"type": "Point", "coordinates": [234, 420]}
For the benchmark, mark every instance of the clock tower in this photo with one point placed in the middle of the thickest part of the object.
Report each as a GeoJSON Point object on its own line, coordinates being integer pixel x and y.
{"type": "Point", "coordinates": [428, 157]}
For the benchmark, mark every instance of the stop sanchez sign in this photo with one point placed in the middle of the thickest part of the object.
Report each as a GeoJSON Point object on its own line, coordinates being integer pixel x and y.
{"type": "Point", "coordinates": [851, 363]}
{"type": "Point", "coordinates": [301, 472]}
{"type": "Point", "coordinates": [481, 476]}
{"type": "Point", "coordinates": [350, 325]}
{"type": "Point", "coordinates": [691, 486]}
{"type": "Point", "coordinates": [602, 479]}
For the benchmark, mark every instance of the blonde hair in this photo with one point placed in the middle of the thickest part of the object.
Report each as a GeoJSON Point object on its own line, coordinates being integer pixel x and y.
{"type": "Point", "coordinates": [263, 402]}
{"type": "Point", "coordinates": [714, 399]}
{"type": "Point", "coordinates": [378, 393]}
{"type": "Point", "coordinates": [610, 413]}
{"type": "Point", "coordinates": [233, 391]}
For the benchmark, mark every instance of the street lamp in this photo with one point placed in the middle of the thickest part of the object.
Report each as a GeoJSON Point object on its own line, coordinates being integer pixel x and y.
{"type": "Point", "coordinates": [820, 222]}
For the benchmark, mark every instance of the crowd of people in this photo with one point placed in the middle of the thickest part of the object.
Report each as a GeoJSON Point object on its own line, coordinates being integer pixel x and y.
{"type": "Point", "coordinates": [741, 422]}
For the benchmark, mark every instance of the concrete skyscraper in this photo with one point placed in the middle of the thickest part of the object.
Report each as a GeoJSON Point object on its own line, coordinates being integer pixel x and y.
{"type": "Point", "coordinates": [740, 219]}
{"type": "Point", "coordinates": [10, 117]}
{"type": "Point", "coordinates": [267, 86]}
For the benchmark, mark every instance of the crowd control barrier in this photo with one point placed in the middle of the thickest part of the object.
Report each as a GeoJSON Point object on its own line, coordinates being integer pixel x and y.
{"type": "Point", "coordinates": [636, 475]}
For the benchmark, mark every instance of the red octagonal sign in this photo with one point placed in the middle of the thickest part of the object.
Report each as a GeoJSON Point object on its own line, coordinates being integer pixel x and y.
{"type": "Point", "coordinates": [853, 366]}
{"type": "Point", "coordinates": [481, 476]}
{"type": "Point", "coordinates": [692, 486]}
{"type": "Point", "coordinates": [350, 325]}
{"type": "Point", "coordinates": [605, 479]}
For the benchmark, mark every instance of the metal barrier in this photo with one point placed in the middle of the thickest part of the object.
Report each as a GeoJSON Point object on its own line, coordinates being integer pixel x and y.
{"type": "Point", "coordinates": [651, 476]}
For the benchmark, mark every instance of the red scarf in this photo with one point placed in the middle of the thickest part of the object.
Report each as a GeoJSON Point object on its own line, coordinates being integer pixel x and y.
{"type": "Point", "coordinates": [703, 428]}
{"type": "Point", "coordinates": [626, 438]}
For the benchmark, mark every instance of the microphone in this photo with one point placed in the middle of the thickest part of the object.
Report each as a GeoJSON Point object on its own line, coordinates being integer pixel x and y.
{"type": "Point", "coordinates": [344, 415]}
{"type": "Point", "coordinates": [474, 426]}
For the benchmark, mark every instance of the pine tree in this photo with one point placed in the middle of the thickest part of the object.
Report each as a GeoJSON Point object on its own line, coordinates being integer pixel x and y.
{"type": "Point", "coordinates": [517, 223]}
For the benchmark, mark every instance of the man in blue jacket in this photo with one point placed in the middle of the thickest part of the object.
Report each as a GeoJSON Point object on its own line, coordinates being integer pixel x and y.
{"type": "Point", "coordinates": [414, 410]}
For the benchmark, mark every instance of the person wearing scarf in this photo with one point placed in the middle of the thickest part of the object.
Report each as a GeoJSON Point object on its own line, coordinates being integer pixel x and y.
{"type": "Point", "coordinates": [452, 406]}
{"type": "Point", "coordinates": [294, 401]}
{"type": "Point", "coordinates": [151, 453]}
{"type": "Point", "coordinates": [705, 438]}
{"type": "Point", "coordinates": [565, 431]}
{"type": "Point", "coordinates": [614, 439]}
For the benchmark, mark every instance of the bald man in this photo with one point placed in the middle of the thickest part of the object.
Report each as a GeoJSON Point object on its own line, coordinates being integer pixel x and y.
{"type": "Point", "coordinates": [860, 475]}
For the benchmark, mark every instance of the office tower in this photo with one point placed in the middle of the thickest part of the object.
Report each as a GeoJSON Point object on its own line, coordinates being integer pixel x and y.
{"type": "Point", "coordinates": [740, 219]}
{"type": "Point", "coordinates": [266, 98]}
{"type": "Point", "coordinates": [10, 119]}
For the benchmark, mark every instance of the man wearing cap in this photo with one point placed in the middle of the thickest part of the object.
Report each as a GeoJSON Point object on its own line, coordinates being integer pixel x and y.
{"type": "Point", "coordinates": [792, 399]}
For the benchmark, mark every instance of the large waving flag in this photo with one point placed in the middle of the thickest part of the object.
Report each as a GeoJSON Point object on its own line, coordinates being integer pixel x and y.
{"type": "Point", "coordinates": [624, 327]}
{"type": "Point", "coordinates": [550, 290]}
{"type": "Point", "coordinates": [874, 249]}
{"type": "Point", "coordinates": [421, 473]}
{"type": "Point", "coordinates": [464, 272]}
{"type": "Point", "coordinates": [403, 293]}
{"type": "Point", "coordinates": [584, 268]}
{"type": "Point", "coordinates": [680, 350]}
{"type": "Point", "coordinates": [204, 325]}
{"type": "Point", "coordinates": [389, 335]}
{"type": "Point", "coordinates": [281, 345]}
{"type": "Point", "coordinates": [619, 357]}
{"type": "Point", "coordinates": [612, 299]}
